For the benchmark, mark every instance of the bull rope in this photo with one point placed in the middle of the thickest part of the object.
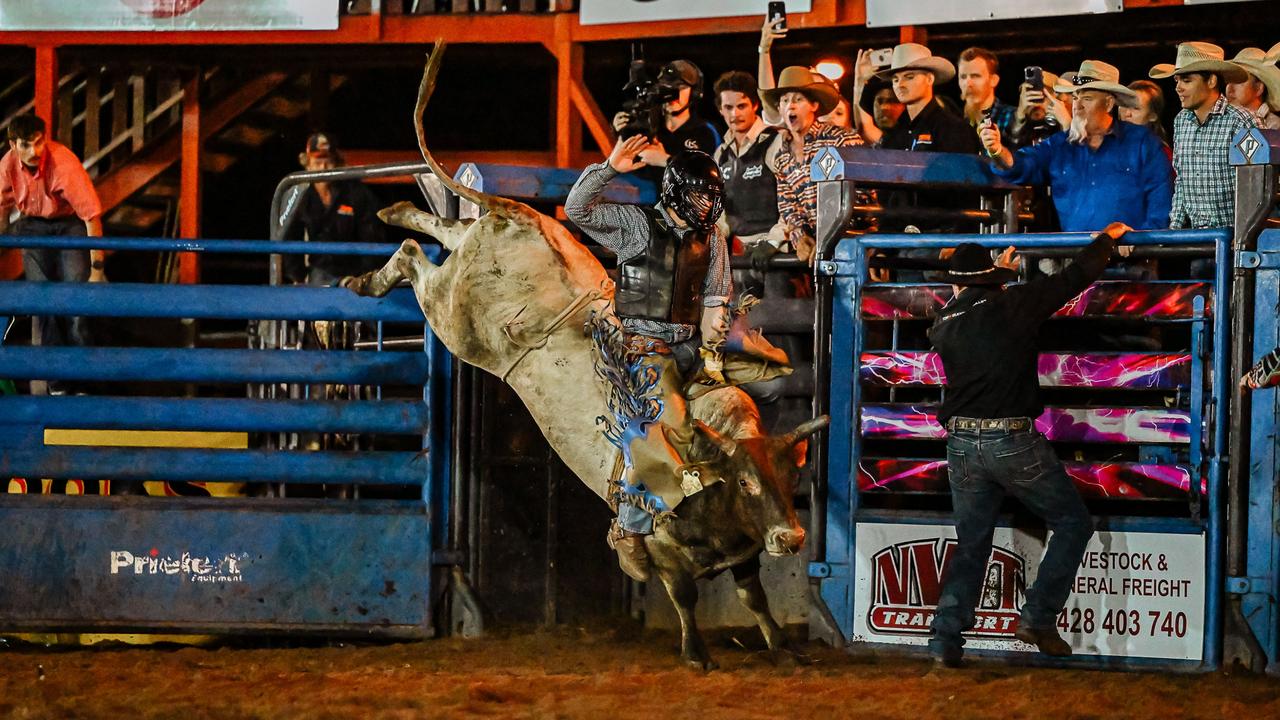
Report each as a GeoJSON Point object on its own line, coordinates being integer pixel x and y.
{"type": "Point", "coordinates": [579, 301]}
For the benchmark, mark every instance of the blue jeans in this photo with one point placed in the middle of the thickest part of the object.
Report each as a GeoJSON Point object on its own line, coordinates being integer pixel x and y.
{"type": "Point", "coordinates": [634, 520]}
{"type": "Point", "coordinates": [49, 265]}
{"type": "Point", "coordinates": [985, 466]}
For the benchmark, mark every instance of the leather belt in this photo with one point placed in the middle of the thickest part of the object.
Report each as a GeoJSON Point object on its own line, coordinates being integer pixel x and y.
{"type": "Point", "coordinates": [1013, 424]}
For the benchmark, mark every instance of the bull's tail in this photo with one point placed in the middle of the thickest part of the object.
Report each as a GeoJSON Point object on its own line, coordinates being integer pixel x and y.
{"type": "Point", "coordinates": [428, 86]}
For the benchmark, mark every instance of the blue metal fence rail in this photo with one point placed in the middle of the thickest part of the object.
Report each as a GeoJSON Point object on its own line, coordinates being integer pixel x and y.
{"type": "Point", "coordinates": [224, 564]}
{"type": "Point", "coordinates": [844, 511]}
{"type": "Point", "coordinates": [1259, 583]}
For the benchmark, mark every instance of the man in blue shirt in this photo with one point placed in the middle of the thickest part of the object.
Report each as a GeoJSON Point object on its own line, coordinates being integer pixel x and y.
{"type": "Point", "coordinates": [1101, 170]}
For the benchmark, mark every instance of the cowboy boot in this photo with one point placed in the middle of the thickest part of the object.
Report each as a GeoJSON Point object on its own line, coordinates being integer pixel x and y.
{"type": "Point", "coordinates": [633, 557]}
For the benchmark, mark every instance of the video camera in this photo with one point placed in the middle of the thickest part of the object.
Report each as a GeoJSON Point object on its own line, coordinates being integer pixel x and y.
{"type": "Point", "coordinates": [645, 96]}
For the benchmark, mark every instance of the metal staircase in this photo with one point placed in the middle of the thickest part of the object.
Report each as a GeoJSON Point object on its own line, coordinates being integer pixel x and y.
{"type": "Point", "coordinates": [125, 123]}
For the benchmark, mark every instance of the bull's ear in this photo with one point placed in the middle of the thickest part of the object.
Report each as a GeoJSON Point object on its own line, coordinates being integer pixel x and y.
{"type": "Point", "coordinates": [800, 453]}
{"type": "Point", "coordinates": [806, 429]}
{"type": "Point", "coordinates": [726, 444]}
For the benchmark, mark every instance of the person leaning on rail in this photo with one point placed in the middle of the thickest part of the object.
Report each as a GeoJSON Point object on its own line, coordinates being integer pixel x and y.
{"type": "Point", "coordinates": [799, 98]}
{"type": "Point", "coordinates": [1101, 169]}
{"type": "Point", "coordinates": [47, 184]}
{"type": "Point", "coordinates": [747, 158]}
{"type": "Point", "coordinates": [1204, 195]}
{"type": "Point", "coordinates": [986, 339]}
{"type": "Point", "coordinates": [341, 211]}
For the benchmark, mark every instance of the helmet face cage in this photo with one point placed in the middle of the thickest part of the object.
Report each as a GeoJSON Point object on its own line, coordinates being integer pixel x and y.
{"type": "Point", "coordinates": [693, 189]}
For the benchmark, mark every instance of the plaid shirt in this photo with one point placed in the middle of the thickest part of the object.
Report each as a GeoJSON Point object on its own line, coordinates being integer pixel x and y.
{"type": "Point", "coordinates": [1003, 116]}
{"type": "Point", "coordinates": [1205, 187]}
{"type": "Point", "coordinates": [797, 193]}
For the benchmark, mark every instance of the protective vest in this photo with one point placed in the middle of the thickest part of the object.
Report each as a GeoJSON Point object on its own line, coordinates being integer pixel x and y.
{"type": "Point", "coordinates": [664, 282]}
{"type": "Point", "coordinates": [750, 187]}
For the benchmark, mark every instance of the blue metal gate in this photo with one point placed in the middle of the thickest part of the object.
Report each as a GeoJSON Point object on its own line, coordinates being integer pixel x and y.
{"type": "Point", "coordinates": [887, 526]}
{"type": "Point", "coordinates": [224, 564]}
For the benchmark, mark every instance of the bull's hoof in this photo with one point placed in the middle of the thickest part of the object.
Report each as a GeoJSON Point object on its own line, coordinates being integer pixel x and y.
{"type": "Point", "coordinates": [355, 283]}
{"type": "Point", "coordinates": [789, 657]}
{"type": "Point", "coordinates": [703, 664]}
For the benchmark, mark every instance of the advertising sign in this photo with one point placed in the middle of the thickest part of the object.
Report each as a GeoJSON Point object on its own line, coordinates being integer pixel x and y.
{"type": "Point", "coordinates": [169, 15]}
{"type": "Point", "coordinates": [882, 13]}
{"type": "Point", "coordinates": [1136, 594]}
{"type": "Point", "coordinates": [600, 12]}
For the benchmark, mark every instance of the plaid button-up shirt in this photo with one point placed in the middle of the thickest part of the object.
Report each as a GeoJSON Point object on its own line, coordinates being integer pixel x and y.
{"type": "Point", "coordinates": [1205, 187]}
{"type": "Point", "coordinates": [797, 193]}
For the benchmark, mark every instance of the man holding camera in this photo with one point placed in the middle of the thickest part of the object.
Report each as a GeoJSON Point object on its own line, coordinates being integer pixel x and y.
{"type": "Point", "coordinates": [1040, 114]}
{"type": "Point", "coordinates": [679, 87]}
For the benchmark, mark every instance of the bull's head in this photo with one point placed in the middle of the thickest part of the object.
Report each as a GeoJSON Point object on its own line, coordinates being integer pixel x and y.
{"type": "Point", "coordinates": [761, 473]}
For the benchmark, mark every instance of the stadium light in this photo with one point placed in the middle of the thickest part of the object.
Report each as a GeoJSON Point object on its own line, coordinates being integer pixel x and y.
{"type": "Point", "coordinates": [832, 70]}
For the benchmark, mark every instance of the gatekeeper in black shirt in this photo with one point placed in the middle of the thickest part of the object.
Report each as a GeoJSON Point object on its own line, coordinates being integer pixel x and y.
{"type": "Point", "coordinates": [986, 338]}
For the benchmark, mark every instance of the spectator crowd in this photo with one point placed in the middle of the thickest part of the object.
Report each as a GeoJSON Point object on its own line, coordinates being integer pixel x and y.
{"type": "Point", "coordinates": [1094, 145]}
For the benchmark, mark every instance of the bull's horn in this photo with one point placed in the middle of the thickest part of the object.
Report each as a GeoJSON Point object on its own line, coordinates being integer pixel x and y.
{"type": "Point", "coordinates": [806, 429]}
{"type": "Point", "coordinates": [726, 444]}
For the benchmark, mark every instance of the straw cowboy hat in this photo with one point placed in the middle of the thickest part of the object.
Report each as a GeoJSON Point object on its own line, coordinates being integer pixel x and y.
{"type": "Point", "coordinates": [913, 56]}
{"type": "Point", "coordinates": [1254, 60]}
{"type": "Point", "coordinates": [1273, 55]}
{"type": "Point", "coordinates": [798, 78]}
{"type": "Point", "coordinates": [1200, 57]}
{"type": "Point", "coordinates": [1097, 75]}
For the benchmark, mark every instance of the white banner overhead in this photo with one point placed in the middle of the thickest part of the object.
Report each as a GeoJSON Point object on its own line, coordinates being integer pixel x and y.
{"type": "Point", "coordinates": [600, 12]}
{"type": "Point", "coordinates": [168, 14]}
{"type": "Point", "coordinates": [882, 13]}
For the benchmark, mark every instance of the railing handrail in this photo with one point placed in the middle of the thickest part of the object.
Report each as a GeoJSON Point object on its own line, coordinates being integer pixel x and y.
{"type": "Point", "coordinates": [1061, 239]}
{"type": "Point", "coordinates": [224, 302]}
{"type": "Point", "coordinates": [203, 245]}
{"type": "Point", "coordinates": [880, 166]}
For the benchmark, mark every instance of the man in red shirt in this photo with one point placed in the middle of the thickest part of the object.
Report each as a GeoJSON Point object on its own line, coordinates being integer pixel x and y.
{"type": "Point", "coordinates": [46, 183]}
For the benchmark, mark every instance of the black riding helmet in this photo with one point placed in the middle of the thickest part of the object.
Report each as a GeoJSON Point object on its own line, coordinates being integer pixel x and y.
{"type": "Point", "coordinates": [693, 189]}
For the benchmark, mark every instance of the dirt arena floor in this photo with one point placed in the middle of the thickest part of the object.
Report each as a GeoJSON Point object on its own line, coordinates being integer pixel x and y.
{"type": "Point", "coordinates": [575, 673]}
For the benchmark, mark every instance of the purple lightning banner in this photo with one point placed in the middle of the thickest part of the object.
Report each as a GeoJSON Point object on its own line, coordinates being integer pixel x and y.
{"type": "Point", "coordinates": [1114, 299]}
{"type": "Point", "coordinates": [1087, 425]}
{"type": "Point", "coordinates": [1126, 481]}
{"type": "Point", "coordinates": [1135, 371]}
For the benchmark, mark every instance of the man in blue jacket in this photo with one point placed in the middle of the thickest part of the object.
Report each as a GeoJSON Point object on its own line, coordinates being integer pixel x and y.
{"type": "Point", "coordinates": [1101, 169]}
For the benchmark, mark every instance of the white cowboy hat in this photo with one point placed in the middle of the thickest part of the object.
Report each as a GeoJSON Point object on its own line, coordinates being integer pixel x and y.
{"type": "Point", "coordinates": [1200, 57]}
{"type": "Point", "coordinates": [798, 78]}
{"type": "Point", "coordinates": [1254, 60]}
{"type": "Point", "coordinates": [913, 56]}
{"type": "Point", "coordinates": [1097, 75]}
{"type": "Point", "coordinates": [1273, 55]}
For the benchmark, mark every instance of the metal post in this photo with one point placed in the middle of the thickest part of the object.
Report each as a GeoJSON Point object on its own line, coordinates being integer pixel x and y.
{"type": "Point", "coordinates": [1255, 198]}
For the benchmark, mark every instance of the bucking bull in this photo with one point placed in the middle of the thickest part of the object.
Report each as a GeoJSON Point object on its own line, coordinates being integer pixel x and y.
{"type": "Point", "coordinates": [517, 296]}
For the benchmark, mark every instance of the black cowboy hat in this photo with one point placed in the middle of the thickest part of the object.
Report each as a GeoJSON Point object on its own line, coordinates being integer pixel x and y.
{"type": "Point", "coordinates": [873, 88]}
{"type": "Point", "coordinates": [971, 265]}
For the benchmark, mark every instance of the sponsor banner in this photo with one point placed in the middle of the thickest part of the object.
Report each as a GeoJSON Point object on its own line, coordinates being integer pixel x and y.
{"type": "Point", "coordinates": [1135, 594]}
{"type": "Point", "coordinates": [924, 12]}
{"type": "Point", "coordinates": [169, 15]}
{"type": "Point", "coordinates": [183, 566]}
{"type": "Point", "coordinates": [600, 12]}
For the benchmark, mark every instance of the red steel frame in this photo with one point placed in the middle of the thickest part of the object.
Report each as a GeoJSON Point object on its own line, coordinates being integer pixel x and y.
{"type": "Point", "coordinates": [560, 33]}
